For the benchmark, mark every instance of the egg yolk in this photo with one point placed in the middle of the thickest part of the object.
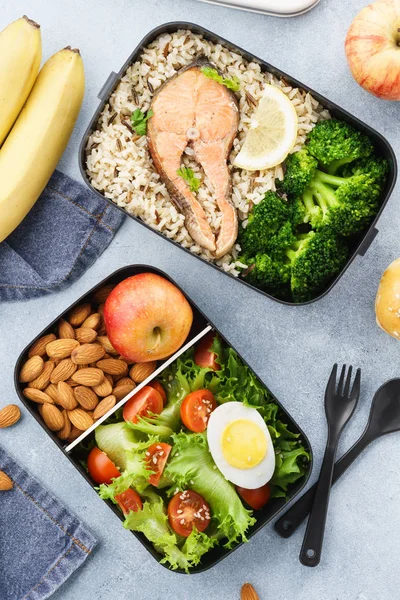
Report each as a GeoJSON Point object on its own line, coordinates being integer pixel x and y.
{"type": "Point", "coordinates": [244, 444]}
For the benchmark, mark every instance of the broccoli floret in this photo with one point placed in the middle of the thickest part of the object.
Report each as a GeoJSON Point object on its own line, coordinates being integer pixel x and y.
{"type": "Point", "coordinates": [316, 258]}
{"type": "Point", "coordinates": [271, 276]}
{"type": "Point", "coordinates": [374, 166]}
{"type": "Point", "coordinates": [300, 168]}
{"type": "Point", "coordinates": [335, 143]}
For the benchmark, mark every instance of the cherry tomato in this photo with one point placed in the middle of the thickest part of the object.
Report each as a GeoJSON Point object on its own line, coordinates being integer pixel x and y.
{"type": "Point", "coordinates": [196, 409]}
{"type": "Point", "coordinates": [100, 467]}
{"type": "Point", "coordinates": [203, 357]}
{"type": "Point", "coordinates": [255, 498]}
{"type": "Point", "coordinates": [129, 500]}
{"type": "Point", "coordinates": [187, 510]}
{"type": "Point", "coordinates": [157, 456]}
{"type": "Point", "coordinates": [146, 401]}
{"type": "Point", "coordinates": [159, 388]}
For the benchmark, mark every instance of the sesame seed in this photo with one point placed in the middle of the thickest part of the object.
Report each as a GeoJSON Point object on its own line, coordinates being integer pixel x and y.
{"type": "Point", "coordinates": [182, 521]}
{"type": "Point", "coordinates": [158, 448]}
{"type": "Point", "coordinates": [179, 512]}
{"type": "Point", "coordinates": [147, 453]}
{"type": "Point", "coordinates": [199, 408]}
{"type": "Point", "coordinates": [161, 453]}
{"type": "Point", "coordinates": [154, 459]}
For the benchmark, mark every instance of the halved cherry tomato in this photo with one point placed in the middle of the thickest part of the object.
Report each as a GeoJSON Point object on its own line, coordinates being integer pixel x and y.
{"type": "Point", "coordinates": [187, 510]}
{"type": "Point", "coordinates": [196, 410]}
{"type": "Point", "coordinates": [203, 357]}
{"type": "Point", "coordinates": [157, 455]}
{"type": "Point", "coordinates": [255, 498]}
{"type": "Point", "coordinates": [159, 388]}
{"type": "Point", "coordinates": [100, 467]}
{"type": "Point", "coordinates": [129, 500]}
{"type": "Point", "coordinates": [146, 401]}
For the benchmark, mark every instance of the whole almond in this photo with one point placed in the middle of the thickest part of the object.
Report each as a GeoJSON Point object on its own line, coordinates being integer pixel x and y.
{"type": "Point", "coordinates": [63, 371]}
{"type": "Point", "coordinates": [79, 314]}
{"type": "Point", "coordinates": [93, 321]}
{"type": "Point", "coordinates": [248, 592]}
{"type": "Point", "coordinates": [87, 353]}
{"type": "Point", "coordinates": [104, 388]}
{"type": "Point", "coordinates": [75, 433]}
{"type": "Point", "coordinates": [86, 397]}
{"type": "Point", "coordinates": [107, 345]}
{"type": "Point", "coordinates": [39, 347]}
{"type": "Point", "coordinates": [5, 482]}
{"type": "Point", "coordinates": [113, 366]}
{"type": "Point", "coordinates": [142, 371]}
{"type": "Point", "coordinates": [104, 406]}
{"type": "Point", "coordinates": [122, 390]}
{"type": "Point", "coordinates": [52, 416]}
{"type": "Point", "coordinates": [89, 376]}
{"type": "Point", "coordinates": [80, 419]}
{"type": "Point", "coordinates": [85, 335]}
{"type": "Point", "coordinates": [65, 330]}
{"type": "Point", "coordinates": [37, 396]}
{"type": "Point", "coordinates": [51, 391]}
{"type": "Point", "coordinates": [44, 378]}
{"type": "Point", "coordinates": [65, 432]}
{"type": "Point", "coordinates": [124, 381]}
{"type": "Point", "coordinates": [101, 295]}
{"type": "Point", "coordinates": [9, 415]}
{"type": "Point", "coordinates": [31, 369]}
{"type": "Point", "coordinates": [61, 348]}
{"type": "Point", "coordinates": [66, 396]}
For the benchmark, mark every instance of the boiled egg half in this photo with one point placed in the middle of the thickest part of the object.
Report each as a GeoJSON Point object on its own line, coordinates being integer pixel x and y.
{"type": "Point", "coordinates": [241, 445]}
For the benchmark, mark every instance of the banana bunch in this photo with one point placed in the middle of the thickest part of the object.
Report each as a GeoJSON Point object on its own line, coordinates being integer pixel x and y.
{"type": "Point", "coordinates": [36, 136]}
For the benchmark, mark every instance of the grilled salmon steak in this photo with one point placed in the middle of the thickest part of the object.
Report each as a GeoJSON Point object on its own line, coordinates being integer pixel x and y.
{"type": "Point", "coordinates": [193, 110]}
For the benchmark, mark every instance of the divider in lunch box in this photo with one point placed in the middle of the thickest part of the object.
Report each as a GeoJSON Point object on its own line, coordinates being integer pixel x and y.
{"type": "Point", "coordinates": [141, 385]}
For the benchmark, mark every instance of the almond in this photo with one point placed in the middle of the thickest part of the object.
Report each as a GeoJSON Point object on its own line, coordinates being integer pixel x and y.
{"type": "Point", "coordinates": [85, 335]}
{"type": "Point", "coordinates": [107, 345]}
{"type": "Point", "coordinates": [80, 419]}
{"type": "Point", "coordinates": [86, 397]}
{"type": "Point", "coordinates": [105, 387]}
{"type": "Point", "coordinates": [124, 381]}
{"type": "Point", "coordinates": [104, 406]}
{"type": "Point", "coordinates": [142, 371]}
{"type": "Point", "coordinates": [9, 415]}
{"type": "Point", "coordinates": [39, 347]}
{"type": "Point", "coordinates": [66, 396]}
{"type": "Point", "coordinates": [72, 383]}
{"type": "Point", "coordinates": [44, 378]}
{"type": "Point", "coordinates": [31, 369]}
{"type": "Point", "coordinates": [101, 295]}
{"type": "Point", "coordinates": [93, 321]}
{"type": "Point", "coordinates": [5, 482]}
{"type": "Point", "coordinates": [122, 390]}
{"type": "Point", "coordinates": [37, 396]}
{"type": "Point", "coordinates": [89, 377]}
{"type": "Point", "coordinates": [75, 433]}
{"type": "Point", "coordinates": [61, 348]}
{"type": "Point", "coordinates": [113, 366]}
{"type": "Point", "coordinates": [51, 391]}
{"type": "Point", "coordinates": [248, 592]}
{"type": "Point", "coordinates": [63, 371]}
{"type": "Point", "coordinates": [65, 330]}
{"type": "Point", "coordinates": [65, 432]}
{"type": "Point", "coordinates": [79, 314]}
{"type": "Point", "coordinates": [87, 353]}
{"type": "Point", "coordinates": [52, 416]}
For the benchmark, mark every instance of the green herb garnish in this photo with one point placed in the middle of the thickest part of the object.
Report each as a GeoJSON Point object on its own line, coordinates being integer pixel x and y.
{"type": "Point", "coordinates": [188, 176]}
{"type": "Point", "coordinates": [139, 121]}
{"type": "Point", "coordinates": [232, 84]}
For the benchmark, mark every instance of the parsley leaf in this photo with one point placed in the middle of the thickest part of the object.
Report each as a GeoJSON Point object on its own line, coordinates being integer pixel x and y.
{"type": "Point", "coordinates": [232, 84]}
{"type": "Point", "coordinates": [139, 121]}
{"type": "Point", "coordinates": [189, 177]}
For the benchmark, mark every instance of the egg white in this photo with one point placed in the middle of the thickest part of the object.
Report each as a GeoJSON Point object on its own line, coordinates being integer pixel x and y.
{"type": "Point", "coordinates": [220, 418]}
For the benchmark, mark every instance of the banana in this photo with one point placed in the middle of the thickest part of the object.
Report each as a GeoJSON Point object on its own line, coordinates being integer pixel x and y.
{"type": "Point", "coordinates": [20, 56]}
{"type": "Point", "coordinates": [35, 144]}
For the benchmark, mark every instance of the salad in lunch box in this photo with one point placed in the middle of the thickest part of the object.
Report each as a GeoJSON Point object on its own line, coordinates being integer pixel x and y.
{"type": "Point", "coordinates": [192, 457]}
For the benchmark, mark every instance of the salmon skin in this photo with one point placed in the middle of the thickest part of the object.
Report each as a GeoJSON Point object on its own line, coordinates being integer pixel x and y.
{"type": "Point", "coordinates": [193, 110]}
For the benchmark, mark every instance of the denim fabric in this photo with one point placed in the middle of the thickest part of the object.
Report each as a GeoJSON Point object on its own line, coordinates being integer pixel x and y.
{"type": "Point", "coordinates": [41, 543]}
{"type": "Point", "coordinates": [63, 234]}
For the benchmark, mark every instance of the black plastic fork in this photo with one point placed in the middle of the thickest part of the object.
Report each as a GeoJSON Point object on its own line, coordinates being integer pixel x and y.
{"type": "Point", "coordinates": [340, 404]}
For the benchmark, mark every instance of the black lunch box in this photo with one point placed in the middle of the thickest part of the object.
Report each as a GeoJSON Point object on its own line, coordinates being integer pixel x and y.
{"type": "Point", "coordinates": [359, 245]}
{"type": "Point", "coordinates": [200, 322]}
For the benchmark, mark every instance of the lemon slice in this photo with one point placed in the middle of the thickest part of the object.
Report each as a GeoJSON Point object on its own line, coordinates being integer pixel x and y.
{"type": "Point", "coordinates": [272, 133]}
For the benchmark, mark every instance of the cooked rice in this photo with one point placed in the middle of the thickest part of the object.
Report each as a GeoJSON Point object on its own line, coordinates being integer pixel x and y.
{"type": "Point", "coordinates": [119, 162]}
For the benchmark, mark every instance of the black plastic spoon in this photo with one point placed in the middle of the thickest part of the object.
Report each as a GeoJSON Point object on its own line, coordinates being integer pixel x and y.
{"type": "Point", "coordinates": [384, 417]}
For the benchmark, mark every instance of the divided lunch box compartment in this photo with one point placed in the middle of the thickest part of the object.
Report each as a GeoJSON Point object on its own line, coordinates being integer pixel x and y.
{"type": "Point", "coordinates": [201, 326]}
{"type": "Point", "coordinates": [359, 245]}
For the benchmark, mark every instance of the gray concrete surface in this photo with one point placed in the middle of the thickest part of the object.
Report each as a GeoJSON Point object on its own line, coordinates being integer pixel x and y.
{"type": "Point", "coordinates": [291, 348]}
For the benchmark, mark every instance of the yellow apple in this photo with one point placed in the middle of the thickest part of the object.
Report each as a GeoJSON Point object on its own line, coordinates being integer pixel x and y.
{"type": "Point", "coordinates": [373, 49]}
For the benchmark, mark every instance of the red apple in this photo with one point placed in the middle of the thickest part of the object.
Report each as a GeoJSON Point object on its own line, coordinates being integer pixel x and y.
{"type": "Point", "coordinates": [147, 318]}
{"type": "Point", "coordinates": [373, 49]}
